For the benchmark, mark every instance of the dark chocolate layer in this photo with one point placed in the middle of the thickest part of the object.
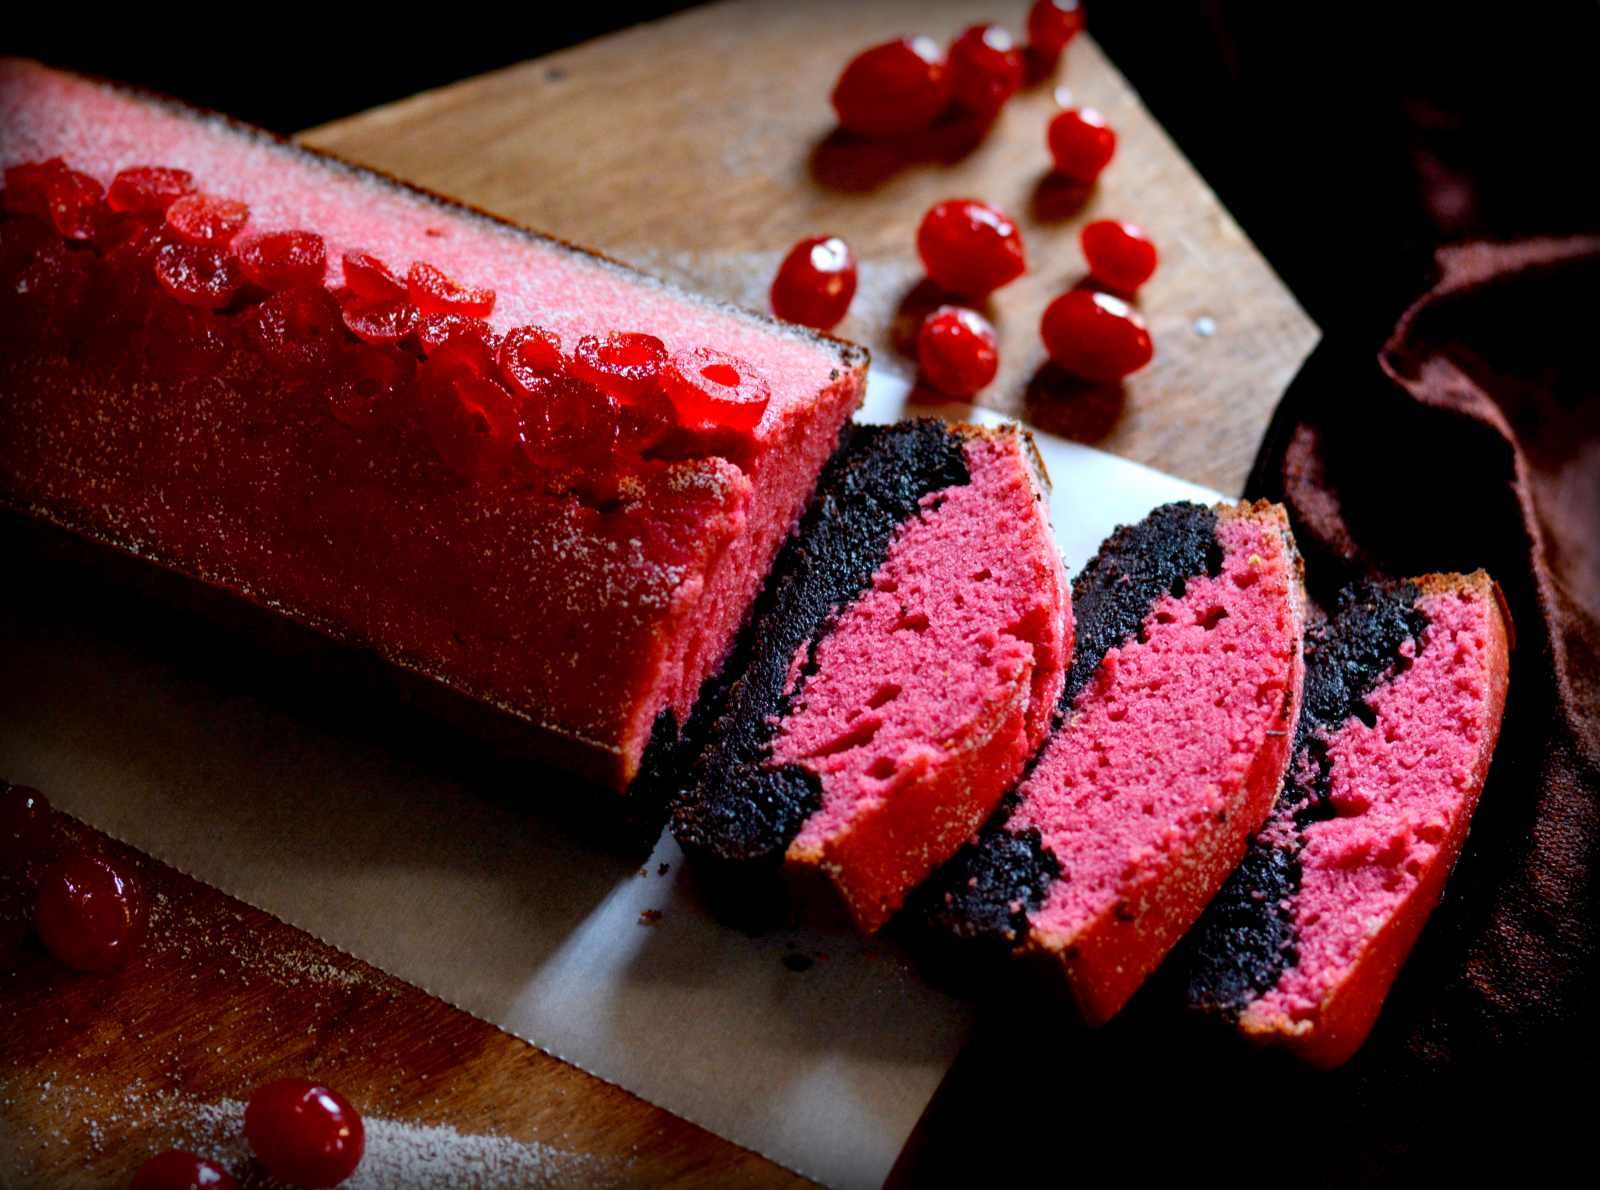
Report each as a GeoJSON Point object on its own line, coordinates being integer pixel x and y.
{"type": "Point", "coordinates": [988, 888]}
{"type": "Point", "coordinates": [1246, 940]}
{"type": "Point", "coordinates": [739, 808]}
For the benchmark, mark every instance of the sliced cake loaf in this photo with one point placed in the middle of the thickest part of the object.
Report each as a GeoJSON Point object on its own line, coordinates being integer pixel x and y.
{"type": "Point", "coordinates": [902, 666]}
{"type": "Point", "coordinates": [1170, 746]}
{"type": "Point", "coordinates": [526, 474]}
{"type": "Point", "coordinates": [1405, 685]}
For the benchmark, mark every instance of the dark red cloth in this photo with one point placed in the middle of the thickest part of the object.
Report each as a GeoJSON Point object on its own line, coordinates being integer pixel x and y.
{"type": "Point", "coordinates": [1472, 440]}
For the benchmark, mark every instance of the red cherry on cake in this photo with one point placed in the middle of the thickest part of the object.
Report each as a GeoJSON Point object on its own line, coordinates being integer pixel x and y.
{"type": "Point", "coordinates": [73, 200]}
{"type": "Point", "coordinates": [303, 1133]}
{"type": "Point", "coordinates": [381, 322]}
{"type": "Point", "coordinates": [986, 69]}
{"type": "Point", "coordinates": [91, 913]}
{"type": "Point", "coordinates": [206, 219]}
{"type": "Point", "coordinates": [710, 388]}
{"type": "Point", "coordinates": [568, 422]}
{"type": "Point", "coordinates": [433, 292]}
{"type": "Point", "coordinates": [1095, 336]}
{"type": "Point", "coordinates": [298, 330]}
{"type": "Point", "coordinates": [969, 247]}
{"type": "Point", "coordinates": [1120, 255]}
{"type": "Point", "coordinates": [528, 356]}
{"type": "Point", "coordinates": [1051, 25]}
{"type": "Point", "coordinates": [178, 1170]}
{"type": "Point", "coordinates": [371, 280]}
{"type": "Point", "coordinates": [279, 259]}
{"type": "Point", "coordinates": [624, 364]}
{"type": "Point", "coordinates": [1082, 143]}
{"type": "Point", "coordinates": [198, 275]}
{"type": "Point", "coordinates": [957, 351]}
{"type": "Point", "coordinates": [815, 283]}
{"type": "Point", "coordinates": [24, 828]}
{"type": "Point", "coordinates": [148, 188]}
{"type": "Point", "coordinates": [892, 89]}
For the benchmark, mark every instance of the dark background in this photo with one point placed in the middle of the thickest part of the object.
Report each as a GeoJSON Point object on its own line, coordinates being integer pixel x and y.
{"type": "Point", "coordinates": [1347, 139]}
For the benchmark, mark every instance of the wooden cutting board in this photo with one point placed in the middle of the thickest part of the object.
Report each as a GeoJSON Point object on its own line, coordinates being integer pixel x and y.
{"type": "Point", "coordinates": [700, 148]}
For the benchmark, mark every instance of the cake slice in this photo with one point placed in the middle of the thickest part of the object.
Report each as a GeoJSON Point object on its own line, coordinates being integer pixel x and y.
{"type": "Point", "coordinates": [1405, 685]}
{"type": "Point", "coordinates": [1170, 744]}
{"type": "Point", "coordinates": [903, 664]}
{"type": "Point", "coordinates": [408, 425]}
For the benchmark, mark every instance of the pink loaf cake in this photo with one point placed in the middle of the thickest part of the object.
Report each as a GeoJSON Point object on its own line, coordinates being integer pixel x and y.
{"type": "Point", "coordinates": [902, 666]}
{"type": "Point", "coordinates": [407, 426]}
{"type": "Point", "coordinates": [1405, 686]}
{"type": "Point", "coordinates": [1171, 742]}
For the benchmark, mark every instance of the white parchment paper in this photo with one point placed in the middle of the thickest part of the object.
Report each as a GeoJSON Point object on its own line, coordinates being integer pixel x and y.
{"type": "Point", "coordinates": [509, 916]}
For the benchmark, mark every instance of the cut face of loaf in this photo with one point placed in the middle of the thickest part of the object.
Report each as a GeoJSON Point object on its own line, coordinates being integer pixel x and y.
{"type": "Point", "coordinates": [1169, 747]}
{"type": "Point", "coordinates": [589, 610]}
{"type": "Point", "coordinates": [1405, 686]}
{"type": "Point", "coordinates": [903, 664]}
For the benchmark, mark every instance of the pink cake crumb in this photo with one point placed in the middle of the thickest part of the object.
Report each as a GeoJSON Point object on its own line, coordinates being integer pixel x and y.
{"type": "Point", "coordinates": [932, 690]}
{"type": "Point", "coordinates": [1169, 760]}
{"type": "Point", "coordinates": [1403, 790]}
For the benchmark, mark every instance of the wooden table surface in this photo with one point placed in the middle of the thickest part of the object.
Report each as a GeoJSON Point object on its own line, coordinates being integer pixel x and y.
{"type": "Point", "coordinates": [700, 148]}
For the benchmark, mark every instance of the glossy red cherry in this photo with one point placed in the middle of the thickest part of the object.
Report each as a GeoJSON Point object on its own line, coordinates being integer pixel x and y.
{"type": "Point", "coordinates": [206, 219]}
{"type": "Point", "coordinates": [381, 322]}
{"type": "Point", "coordinates": [1052, 24]}
{"type": "Point", "coordinates": [891, 89]}
{"type": "Point", "coordinates": [625, 364]}
{"type": "Point", "coordinates": [198, 274]}
{"type": "Point", "coordinates": [435, 293]}
{"type": "Point", "coordinates": [299, 330]}
{"type": "Point", "coordinates": [986, 69]}
{"type": "Point", "coordinates": [473, 422]}
{"type": "Point", "coordinates": [969, 247]}
{"type": "Point", "coordinates": [1082, 143]}
{"type": "Point", "coordinates": [24, 828]}
{"type": "Point", "coordinates": [1120, 255]}
{"type": "Point", "coordinates": [436, 330]}
{"type": "Point", "coordinates": [91, 913]}
{"type": "Point", "coordinates": [178, 1170]}
{"type": "Point", "coordinates": [569, 423]}
{"type": "Point", "coordinates": [279, 259]}
{"type": "Point", "coordinates": [1095, 336]}
{"type": "Point", "coordinates": [28, 184]}
{"type": "Point", "coordinates": [528, 356]}
{"type": "Point", "coordinates": [371, 280]}
{"type": "Point", "coordinates": [958, 351]}
{"type": "Point", "coordinates": [148, 188]}
{"type": "Point", "coordinates": [815, 283]}
{"type": "Point", "coordinates": [370, 385]}
{"type": "Point", "coordinates": [711, 388]}
{"type": "Point", "coordinates": [73, 200]}
{"type": "Point", "coordinates": [303, 1133]}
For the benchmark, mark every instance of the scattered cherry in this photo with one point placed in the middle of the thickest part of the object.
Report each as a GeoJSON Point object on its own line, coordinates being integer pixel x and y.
{"type": "Point", "coordinates": [148, 188]}
{"type": "Point", "coordinates": [205, 219]}
{"type": "Point", "coordinates": [198, 274]}
{"type": "Point", "coordinates": [986, 69]}
{"type": "Point", "coordinates": [435, 293]}
{"type": "Point", "coordinates": [1095, 336]}
{"type": "Point", "coordinates": [279, 259]}
{"type": "Point", "coordinates": [299, 329]}
{"type": "Point", "coordinates": [710, 388]}
{"type": "Point", "coordinates": [372, 280]}
{"type": "Point", "coordinates": [24, 827]}
{"type": "Point", "coordinates": [625, 364]}
{"type": "Point", "coordinates": [73, 200]}
{"type": "Point", "coordinates": [1120, 255]}
{"type": "Point", "coordinates": [91, 913]}
{"type": "Point", "coordinates": [179, 1170]}
{"type": "Point", "coordinates": [958, 351]}
{"type": "Point", "coordinates": [383, 322]}
{"type": "Point", "coordinates": [969, 247]}
{"type": "Point", "coordinates": [569, 423]}
{"type": "Point", "coordinates": [303, 1133]}
{"type": "Point", "coordinates": [1082, 143]}
{"type": "Point", "coordinates": [815, 283]}
{"type": "Point", "coordinates": [891, 89]}
{"type": "Point", "coordinates": [529, 356]}
{"type": "Point", "coordinates": [1051, 25]}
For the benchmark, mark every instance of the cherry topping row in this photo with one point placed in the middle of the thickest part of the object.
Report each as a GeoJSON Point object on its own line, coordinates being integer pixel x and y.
{"type": "Point", "coordinates": [384, 348]}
